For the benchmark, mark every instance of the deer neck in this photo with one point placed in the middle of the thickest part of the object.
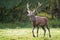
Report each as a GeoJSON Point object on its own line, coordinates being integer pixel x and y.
{"type": "Point", "coordinates": [33, 18]}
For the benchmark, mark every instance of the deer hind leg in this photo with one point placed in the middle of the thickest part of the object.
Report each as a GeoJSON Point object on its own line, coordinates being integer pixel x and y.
{"type": "Point", "coordinates": [48, 31]}
{"type": "Point", "coordinates": [37, 30]}
{"type": "Point", "coordinates": [33, 31]}
{"type": "Point", "coordinates": [44, 30]}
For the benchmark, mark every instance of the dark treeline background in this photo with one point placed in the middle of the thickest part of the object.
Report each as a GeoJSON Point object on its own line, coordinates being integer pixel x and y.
{"type": "Point", "coordinates": [13, 11]}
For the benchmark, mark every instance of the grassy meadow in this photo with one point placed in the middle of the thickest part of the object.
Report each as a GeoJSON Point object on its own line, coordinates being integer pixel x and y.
{"type": "Point", "coordinates": [25, 34]}
{"type": "Point", "coordinates": [16, 25]}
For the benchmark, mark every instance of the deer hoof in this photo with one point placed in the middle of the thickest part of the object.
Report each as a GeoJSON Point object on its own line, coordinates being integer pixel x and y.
{"type": "Point", "coordinates": [50, 36]}
{"type": "Point", "coordinates": [33, 35]}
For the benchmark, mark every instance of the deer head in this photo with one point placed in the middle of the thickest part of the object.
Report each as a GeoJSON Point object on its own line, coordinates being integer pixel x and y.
{"type": "Point", "coordinates": [31, 12]}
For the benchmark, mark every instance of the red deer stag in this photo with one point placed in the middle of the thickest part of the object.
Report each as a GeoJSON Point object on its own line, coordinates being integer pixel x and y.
{"type": "Point", "coordinates": [37, 20]}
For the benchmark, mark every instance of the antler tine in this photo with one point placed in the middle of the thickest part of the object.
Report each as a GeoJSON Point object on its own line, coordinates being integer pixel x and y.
{"type": "Point", "coordinates": [39, 4]}
{"type": "Point", "coordinates": [28, 6]}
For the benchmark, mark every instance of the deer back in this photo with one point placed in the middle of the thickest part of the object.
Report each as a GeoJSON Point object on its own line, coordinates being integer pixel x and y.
{"type": "Point", "coordinates": [41, 20]}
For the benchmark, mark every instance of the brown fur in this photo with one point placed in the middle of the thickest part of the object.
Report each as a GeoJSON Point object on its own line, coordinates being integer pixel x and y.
{"type": "Point", "coordinates": [37, 20]}
{"type": "Point", "coordinates": [41, 20]}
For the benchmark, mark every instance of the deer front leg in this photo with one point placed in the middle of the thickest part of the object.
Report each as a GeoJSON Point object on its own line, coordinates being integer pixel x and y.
{"type": "Point", "coordinates": [33, 31]}
{"type": "Point", "coordinates": [37, 31]}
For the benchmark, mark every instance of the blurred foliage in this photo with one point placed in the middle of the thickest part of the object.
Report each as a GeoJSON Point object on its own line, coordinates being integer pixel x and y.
{"type": "Point", "coordinates": [15, 10]}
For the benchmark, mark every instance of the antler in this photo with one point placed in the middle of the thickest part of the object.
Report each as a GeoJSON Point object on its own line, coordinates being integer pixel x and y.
{"type": "Point", "coordinates": [39, 5]}
{"type": "Point", "coordinates": [28, 10]}
{"type": "Point", "coordinates": [28, 6]}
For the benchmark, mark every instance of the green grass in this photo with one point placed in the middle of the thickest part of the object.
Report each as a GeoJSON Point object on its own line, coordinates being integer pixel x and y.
{"type": "Point", "coordinates": [25, 34]}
